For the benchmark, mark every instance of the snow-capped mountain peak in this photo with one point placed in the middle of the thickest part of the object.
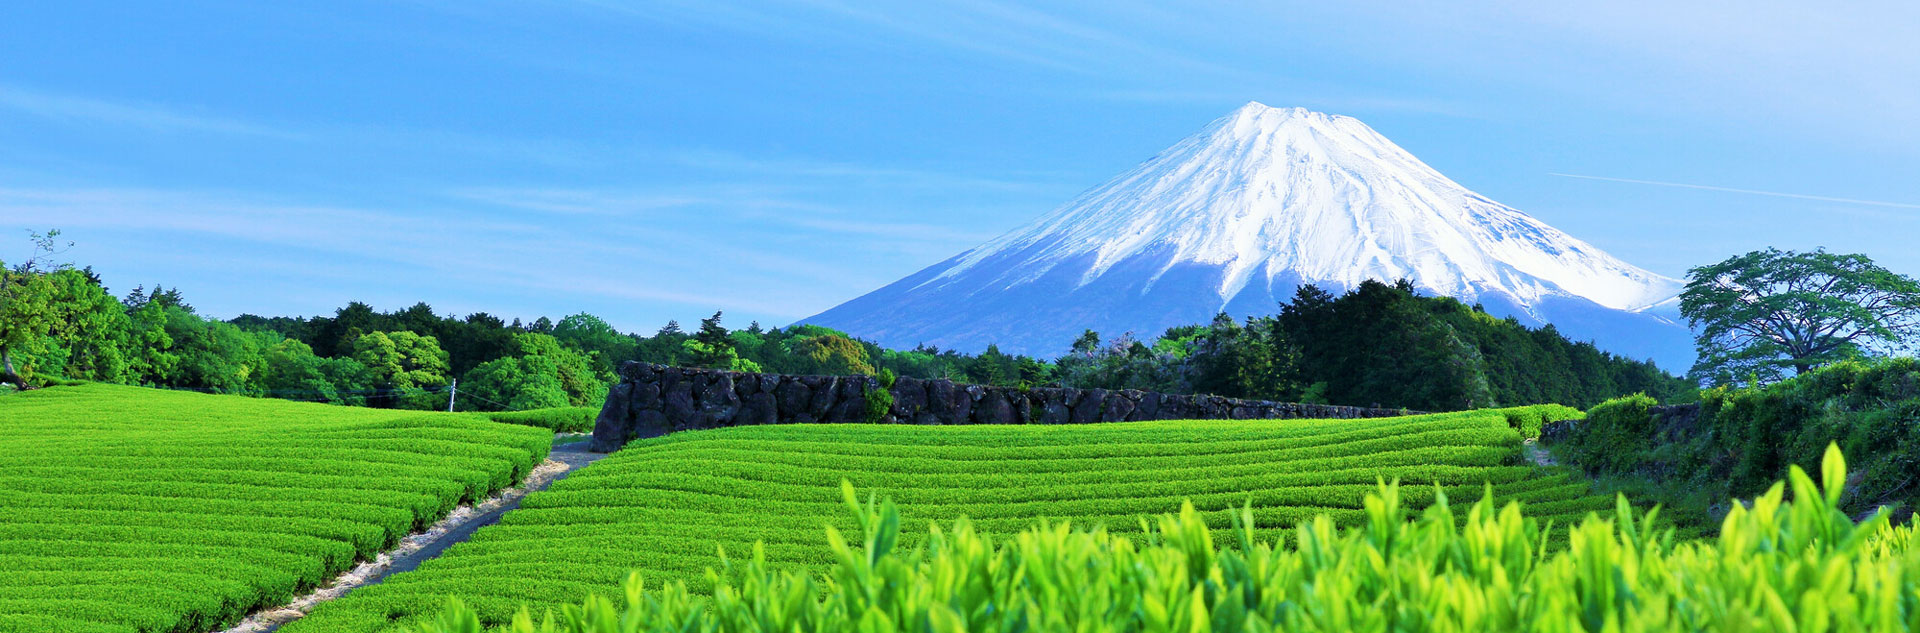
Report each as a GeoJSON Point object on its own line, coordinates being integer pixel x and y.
{"type": "Point", "coordinates": [1267, 191]}
{"type": "Point", "coordinates": [1233, 219]}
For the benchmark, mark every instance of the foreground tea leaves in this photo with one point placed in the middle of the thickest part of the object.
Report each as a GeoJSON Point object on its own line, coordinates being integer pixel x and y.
{"type": "Point", "coordinates": [1776, 566]}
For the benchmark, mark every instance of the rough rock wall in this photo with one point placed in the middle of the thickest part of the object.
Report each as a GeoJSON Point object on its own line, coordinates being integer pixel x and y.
{"type": "Point", "coordinates": [651, 400]}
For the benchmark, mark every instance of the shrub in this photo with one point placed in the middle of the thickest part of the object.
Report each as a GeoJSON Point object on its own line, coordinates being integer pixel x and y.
{"type": "Point", "coordinates": [560, 419]}
{"type": "Point", "coordinates": [125, 509]}
{"type": "Point", "coordinates": [1871, 409]}
{"type": "Point", "coordinates": [1528, 420]}
{"type": "Point", "coordinates": [1744, 439]}
{"type": "Point", "coordinates": [1614, 435]}
{"type": "Point", "coordinates": [880, 401]}
{"type": "Point", "coordinates": [666, 505]}
{"type": "Point", "coordinates": [1775, 567]}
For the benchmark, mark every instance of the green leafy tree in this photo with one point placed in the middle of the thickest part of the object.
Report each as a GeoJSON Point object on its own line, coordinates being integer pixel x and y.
{"type": "Point", "coordinates": [338, 334]}
{"type": "Point", "coordinates": [478, 338]}
{"type": "Point", "coordinates": [26, 316]}
{"type": "Point", "coordinates": [1033, 373]}
{"type": "Point", "coordinates": [351, 380]}
{"type": "Point", "coordinates": [725, 358]}
{"type": "Point", "coordinates": [833, 354]}
{"type": "Point", "coordinates": [1757, 314]}
{"type": "Point", "coordinates": [1125, 363]}
{"type": "Point", "coordinates": [579, 381]}
{"type": "Point", "coordinates": [988, 368]}
{"type": "Point", "coordinates": [404, 364]}
{"type": "Point", "coordinates": [1089, 342]}
{"type": "Point", "coordinates": [290, 369]}
{"type": "Point", "coordinates": [519, 383]}
{"type": "Point", "coordinates": [748, 343]}
{"type": "Point", "coordinates": [605, 346]}
{"type": "Point", "coordinates": [1229, 360]}
{"type": "Point", "coordinates": [151, 360]}
{"type": "Point", "coordinates": [921, 362]}
{"type": "Point", "coordinates": [212, 355]}
{"type": "Point", "coordinates": [664, 347]}
{"type": "Point", "coordinates": [91, 325]}
{"type": "Point", "coordinates": [1405, 356]}
{"type": "Point", "coordinates": [27, 312]}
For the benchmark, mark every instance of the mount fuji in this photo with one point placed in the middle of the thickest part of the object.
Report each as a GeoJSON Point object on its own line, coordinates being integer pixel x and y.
{"type": "Point", "coordinates": [1235, 218]}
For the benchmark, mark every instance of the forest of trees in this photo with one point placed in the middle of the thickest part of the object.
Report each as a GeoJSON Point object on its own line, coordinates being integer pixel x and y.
{"type": "Point", "coordinates": [1379, 344]}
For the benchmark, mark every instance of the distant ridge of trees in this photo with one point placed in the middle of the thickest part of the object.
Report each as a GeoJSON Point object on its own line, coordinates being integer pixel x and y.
{"type": "Point", "coordinates": [1378, 344]}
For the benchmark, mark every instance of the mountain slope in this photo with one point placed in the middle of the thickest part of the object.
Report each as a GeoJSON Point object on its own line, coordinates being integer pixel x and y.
{"type": "Point", "coordinates": [1237, 216]}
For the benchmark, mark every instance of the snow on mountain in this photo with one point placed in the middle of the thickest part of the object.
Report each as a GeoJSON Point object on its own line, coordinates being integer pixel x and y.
{"type": "Point", "coordinates": [1233, 219]}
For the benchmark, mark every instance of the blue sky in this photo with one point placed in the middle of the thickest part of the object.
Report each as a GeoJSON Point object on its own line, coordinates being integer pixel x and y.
{"type": "Point", "coordinates": [654, 160]}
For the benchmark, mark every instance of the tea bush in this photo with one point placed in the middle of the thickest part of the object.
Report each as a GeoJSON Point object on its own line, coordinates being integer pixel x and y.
{"type": "Point", "coordinates": [559, 419]}
{"type": "Point", "coordinates": [667, 505]}
{"type": "Point", "coordinates": [126, 509]}
{"type": "Point", "coordinates": [1614, 435]}
{"type": "Point", "coordinates": [1528, 420]}
{"type": "Point", "coordinates": [1776, 567]}
{"type": "Point", "coordinates": [1744, 439]}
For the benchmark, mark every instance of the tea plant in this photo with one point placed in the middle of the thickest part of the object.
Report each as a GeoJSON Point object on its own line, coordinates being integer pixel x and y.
{"type": "Point", "coordinates": [666, 505]}
{"type": "Point", "coordinates": [1777, 566]}
{"type": "Point", "coordinates": [126, 509]}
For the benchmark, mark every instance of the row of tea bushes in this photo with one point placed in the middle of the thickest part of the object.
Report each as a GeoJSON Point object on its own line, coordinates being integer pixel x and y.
{"type": "Point", "coordinates": [1775, 568]}
{"type": "Point", "coordinates": [668, 505]}
{"type": "Point", "coordinates": [125, 509]}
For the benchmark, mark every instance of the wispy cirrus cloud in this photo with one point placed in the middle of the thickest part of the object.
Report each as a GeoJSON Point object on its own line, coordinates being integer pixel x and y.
{"type": "Point", "coordinates": [890, 176]}
{"type": "Point", "coordinates": [152, 117]}
{"type": "Point", "coordinates": [744, 202]}
{"type": "Point", "coordinates": [318, 246]}
{"type": "Point", "coordinates": [576, 201]}
{"type": "Point", "coordinates": [1752, 192]}
{"type": "Point", "coordinates": [989, 30]}
{"type": "Point", "coordinates": [89, 111]}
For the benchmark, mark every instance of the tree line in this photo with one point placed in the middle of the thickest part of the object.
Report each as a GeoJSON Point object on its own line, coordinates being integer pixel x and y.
{"type": "Point", "coordinates": [1378, 344]}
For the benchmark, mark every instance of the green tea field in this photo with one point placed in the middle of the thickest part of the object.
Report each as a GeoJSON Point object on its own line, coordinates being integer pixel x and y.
{"type": "Point", "coordinates": [125, 509]}
{"type": "Point", "coordinates": [664, 507]}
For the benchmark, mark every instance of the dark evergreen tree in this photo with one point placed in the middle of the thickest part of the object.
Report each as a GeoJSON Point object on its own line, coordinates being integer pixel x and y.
{"type": "Point", "coordinates": [715, 349]}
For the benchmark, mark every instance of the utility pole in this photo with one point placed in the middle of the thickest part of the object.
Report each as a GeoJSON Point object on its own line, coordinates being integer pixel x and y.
{"type": "Point", "coordinates": [451, 393]}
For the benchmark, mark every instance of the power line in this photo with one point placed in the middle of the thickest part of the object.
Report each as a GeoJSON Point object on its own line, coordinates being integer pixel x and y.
{"type": "Point", "coordinates": [502, 406]}
{"type": "Point", "coordinates": [316, 395]}
{"type": "Point", "coordinates": [216, 390]}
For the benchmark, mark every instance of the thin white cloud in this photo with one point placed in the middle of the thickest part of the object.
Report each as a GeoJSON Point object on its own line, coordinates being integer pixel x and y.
{"type": "Point", "coordinates": [87, 110]}
{"type": "Point", "coordinates": [1005, 32]}
{"type": "Point", "coordinates": [566, 201]}
{"type": "Point", "coordinates": [1756, 192]}
{"type": "Point", "coordinates": [470, 251]}
{"type": "Point", "coordinates": [1327, 100]}
{"type": "Point", "coordinates": [77, 109]}
{"type": "Point", "coordinates": [895, 230]}
{"type": "Point", "coordinates": [1761, 67]}
{"type": "Point", "coordinates": [747, 203]}
{"type": "Point", "coordinates": [731, 163]}
{"type": "Point", "coordinates": [770, 264]}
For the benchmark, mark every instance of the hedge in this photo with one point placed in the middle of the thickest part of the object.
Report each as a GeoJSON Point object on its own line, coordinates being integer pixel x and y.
{"type": "Point", "coordinates": [669, 505]}
{"type": "Point", "coordinates": [1777, 567]}
{"type": "Point", "coordinates": [127, 509]}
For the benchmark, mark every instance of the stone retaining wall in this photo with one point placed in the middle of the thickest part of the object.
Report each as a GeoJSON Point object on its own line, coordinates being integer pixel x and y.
{"type": "Point", "coordinates": [651, 400]}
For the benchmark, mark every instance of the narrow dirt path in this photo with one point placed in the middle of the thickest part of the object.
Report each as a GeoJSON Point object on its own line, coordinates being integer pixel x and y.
{"type": "Point", "coordinates": [1537, 454]}
{"type": "Point", "coordinates": [458, 526]}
